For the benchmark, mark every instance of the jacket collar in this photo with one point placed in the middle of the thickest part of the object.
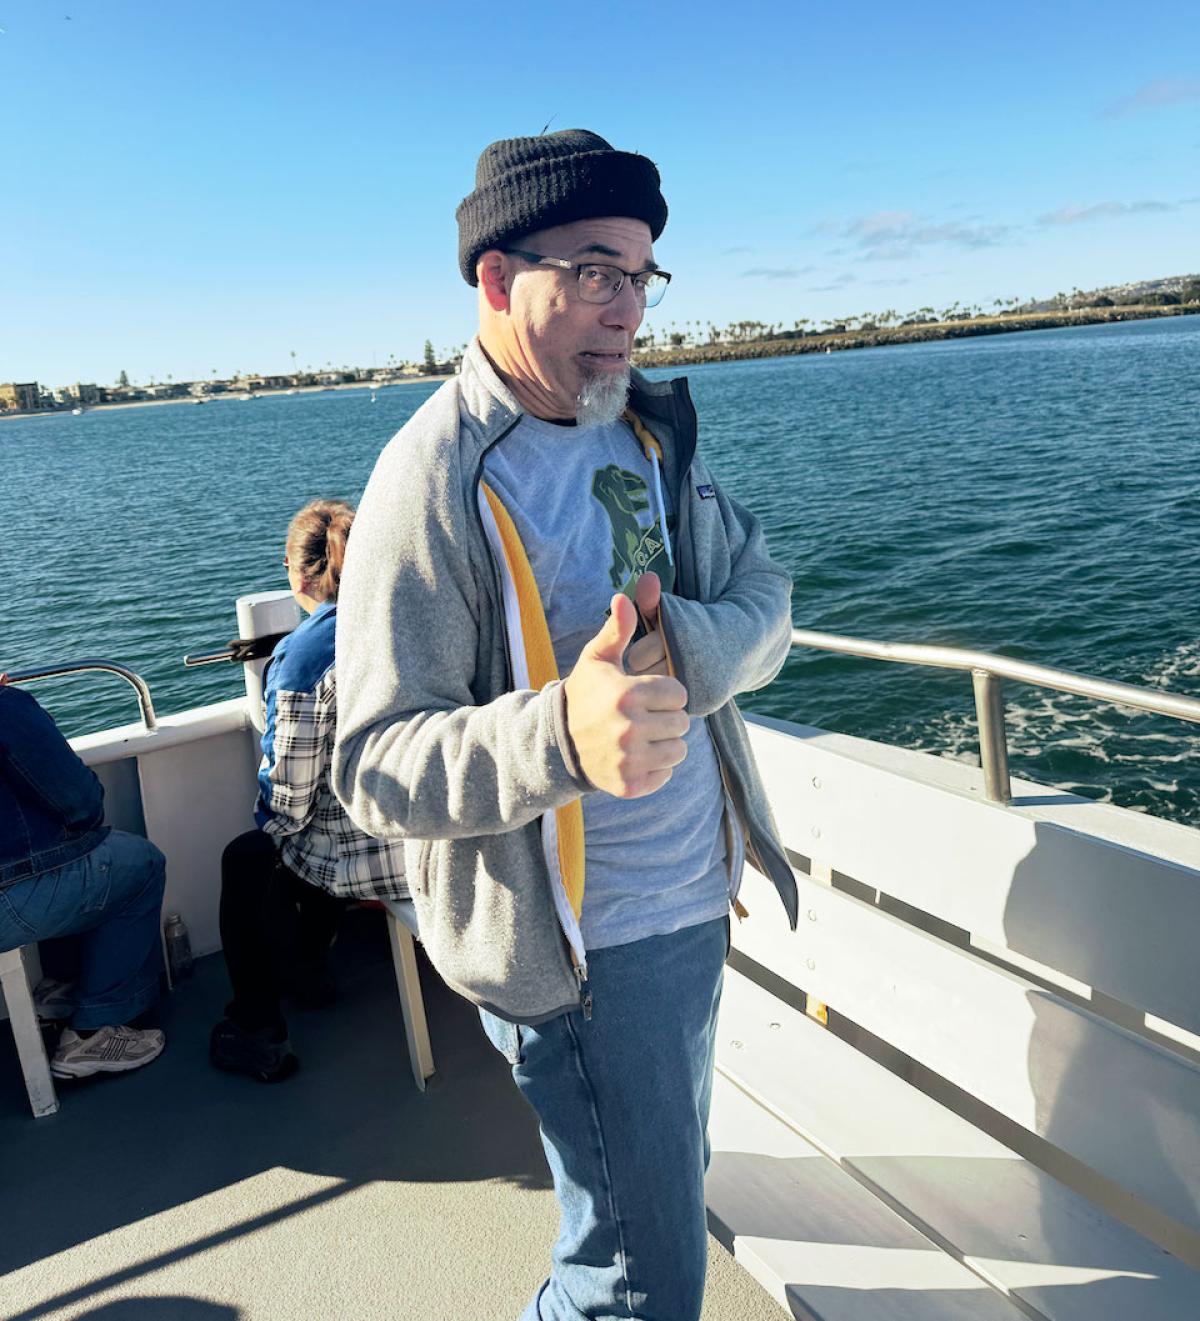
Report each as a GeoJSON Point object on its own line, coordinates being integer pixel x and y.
{"type": "Point", "coordinates": [665, 406]}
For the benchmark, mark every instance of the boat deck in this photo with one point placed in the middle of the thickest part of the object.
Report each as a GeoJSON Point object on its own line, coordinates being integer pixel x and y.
{"type": "Point", "coordinates": [182, 1194]}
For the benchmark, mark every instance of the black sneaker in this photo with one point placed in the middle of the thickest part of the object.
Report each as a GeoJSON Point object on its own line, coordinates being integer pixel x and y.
{"type": "Point", "coordinates": [263, 1055]}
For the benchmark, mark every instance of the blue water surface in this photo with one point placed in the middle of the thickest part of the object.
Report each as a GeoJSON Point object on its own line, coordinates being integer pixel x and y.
{"type": "Point", "coordinates": [1035, 494]}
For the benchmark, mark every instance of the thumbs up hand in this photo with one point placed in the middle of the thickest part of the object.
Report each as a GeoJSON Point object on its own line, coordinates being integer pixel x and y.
{"type": "Point", "coordinates": [627, 728]}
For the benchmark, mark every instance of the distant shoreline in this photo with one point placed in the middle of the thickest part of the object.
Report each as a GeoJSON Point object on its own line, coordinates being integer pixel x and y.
{"type": "Point", "coordinates": [224, 397]}
{"type": "Point", "coordinates": [694, 355]}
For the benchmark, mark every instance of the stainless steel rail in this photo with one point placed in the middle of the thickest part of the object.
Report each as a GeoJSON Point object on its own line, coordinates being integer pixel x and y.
{"type": "Point", "coordinates": [194, 658]}
{"type": "Point", "coordinates": [79, 667]}
{"type": "Point", "coordinates": [986, 672]}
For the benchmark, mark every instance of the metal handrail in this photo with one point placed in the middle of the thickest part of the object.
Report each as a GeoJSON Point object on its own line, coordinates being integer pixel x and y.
{"type": "Point", "coordinates": [194, 658]}
{"type": "Point", "coordinates": [139, 684]}
{"type": "Point", "coordinates": [986, 672]}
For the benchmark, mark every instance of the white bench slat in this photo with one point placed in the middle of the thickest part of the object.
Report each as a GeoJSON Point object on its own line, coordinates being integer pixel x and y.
{"type": "Point", "coordinates": [1124, 1107]}
{"type": "Point", "coordinates": [1047, 1247]}
{"type": "Point", "coordinates": [818, 1241]}
{"type": "Point", "coordinates": [404, 910]}
{"type": "Point", "coordinates": [402, 930]}
{"type": "Point", "coordinates": [31, 1050]}
{"type": "Point", "coordinates": [916, 827]}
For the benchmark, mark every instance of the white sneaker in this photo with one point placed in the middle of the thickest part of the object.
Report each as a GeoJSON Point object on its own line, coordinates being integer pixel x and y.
{"type": "Point", "coordinates": [107, 1050]}
{"type": "Point", "coordinates": [53, 1000]}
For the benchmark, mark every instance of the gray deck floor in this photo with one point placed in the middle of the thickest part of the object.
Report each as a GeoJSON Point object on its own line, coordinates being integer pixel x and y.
{"type": "Point", "coordinates": [182, 1194]}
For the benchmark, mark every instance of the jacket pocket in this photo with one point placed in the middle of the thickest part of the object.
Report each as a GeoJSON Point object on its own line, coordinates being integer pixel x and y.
{"type": "Point", "coordinates": [419, 882]}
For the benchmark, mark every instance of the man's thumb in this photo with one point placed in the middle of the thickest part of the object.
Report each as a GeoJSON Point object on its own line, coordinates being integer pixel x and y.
{"type": "Point", "coordinates": [610, 643]}
{"type": "Point", "coordinates": [647, 594]}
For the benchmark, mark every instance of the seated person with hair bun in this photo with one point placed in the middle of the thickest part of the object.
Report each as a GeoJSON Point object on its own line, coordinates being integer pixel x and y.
{"type": "Point", "coordinates": [285, 885]}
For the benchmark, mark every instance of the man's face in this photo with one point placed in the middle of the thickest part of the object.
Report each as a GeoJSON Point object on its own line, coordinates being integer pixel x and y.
{"type": "Point", "coordinates": [572, 348]}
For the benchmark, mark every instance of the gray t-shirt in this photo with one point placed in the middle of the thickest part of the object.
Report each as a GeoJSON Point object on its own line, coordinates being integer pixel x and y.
{"type": "Point", "coordinates": [587, 507]}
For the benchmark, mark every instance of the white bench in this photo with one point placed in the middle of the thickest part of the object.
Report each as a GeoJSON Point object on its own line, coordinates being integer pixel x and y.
{"type": "Point", "coordinates": [402, 927]}
{"type": "Point", "coordinates": [31, 1050]}
{"type": "Point", "coordinates": [1002, 1117]}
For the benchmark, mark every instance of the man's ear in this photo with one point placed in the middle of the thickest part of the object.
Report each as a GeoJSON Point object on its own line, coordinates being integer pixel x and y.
{"type": "Point", "coordinates": [492, 270]}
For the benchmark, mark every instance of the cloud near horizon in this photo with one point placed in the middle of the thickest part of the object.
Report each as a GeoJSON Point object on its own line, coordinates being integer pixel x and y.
{"type": "Point", "coordinates": [777, 272]}
{"type": "Point", "coordinates": [899, 235]}
{"type": "Point", "coordinates": [1074, 215]}
{"type": "Point", "coordinates": [840, 283]}
{"type": "Point", "coordinates": [1153, 95]}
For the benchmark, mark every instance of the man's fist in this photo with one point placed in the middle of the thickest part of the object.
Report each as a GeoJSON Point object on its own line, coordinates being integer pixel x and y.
{"type": "Point", "coordinates": [627, 728]}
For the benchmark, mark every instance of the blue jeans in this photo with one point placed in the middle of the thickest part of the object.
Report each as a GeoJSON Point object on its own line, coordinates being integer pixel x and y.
{"type": "Point", "coordinates": [623, 1100]}
{"type": "Point", "coordinates": [112, 897]}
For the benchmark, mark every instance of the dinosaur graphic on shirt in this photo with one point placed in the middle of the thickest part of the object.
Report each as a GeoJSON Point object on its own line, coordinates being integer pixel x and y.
{"type": "Point", "coordinates": [635, 549]}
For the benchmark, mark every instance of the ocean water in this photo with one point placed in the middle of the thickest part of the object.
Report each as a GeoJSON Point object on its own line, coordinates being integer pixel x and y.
{"type": "Point", "coordinates": [1034, 494]}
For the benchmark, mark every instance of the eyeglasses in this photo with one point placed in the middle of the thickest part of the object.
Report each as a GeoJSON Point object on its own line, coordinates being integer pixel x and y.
{"type": "Point", "coordinates": [599, 283]}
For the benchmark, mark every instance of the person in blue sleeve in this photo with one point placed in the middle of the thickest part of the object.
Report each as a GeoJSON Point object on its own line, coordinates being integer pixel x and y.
{"type": "Point", "coordinates": [63, 872]}
{"type": "Point", "coordinates": [285, 886]}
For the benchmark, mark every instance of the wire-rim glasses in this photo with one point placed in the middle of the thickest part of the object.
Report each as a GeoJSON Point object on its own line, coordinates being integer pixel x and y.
{"type": "Point", "coordinates": [599, 282]}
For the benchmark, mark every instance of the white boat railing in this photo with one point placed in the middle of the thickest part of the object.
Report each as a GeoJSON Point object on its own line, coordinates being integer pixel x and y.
{"type": "Point", "coordinates": [987, 671]}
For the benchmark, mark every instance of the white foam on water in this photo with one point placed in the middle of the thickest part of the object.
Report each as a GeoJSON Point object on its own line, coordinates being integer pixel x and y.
{"type": "Point", "coordinates": [1181, 663]}
{"type": "Point", "coordinates": [1117, 754]}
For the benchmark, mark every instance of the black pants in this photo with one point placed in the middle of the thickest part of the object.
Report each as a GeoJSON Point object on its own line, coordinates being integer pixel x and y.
{"type": "Point", "coordinates": [276, 929]}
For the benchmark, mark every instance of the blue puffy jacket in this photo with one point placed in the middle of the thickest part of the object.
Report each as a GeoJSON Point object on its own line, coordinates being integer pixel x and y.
{"type": "Point", "coordinates": [51, 804]}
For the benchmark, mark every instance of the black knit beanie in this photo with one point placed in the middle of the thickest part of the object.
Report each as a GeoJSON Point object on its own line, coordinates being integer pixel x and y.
{"type": "Point", "coordinates": [527, 184]}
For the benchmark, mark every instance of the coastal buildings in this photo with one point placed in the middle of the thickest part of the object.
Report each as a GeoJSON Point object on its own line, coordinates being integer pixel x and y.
{"type": "Point", "coordinates": [20, 398]}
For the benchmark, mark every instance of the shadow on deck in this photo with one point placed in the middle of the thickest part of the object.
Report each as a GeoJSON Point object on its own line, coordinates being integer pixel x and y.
{"type": "Point", "coordinates": [182, 1194]}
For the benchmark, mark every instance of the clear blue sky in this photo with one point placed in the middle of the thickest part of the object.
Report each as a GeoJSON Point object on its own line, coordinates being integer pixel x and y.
{"type": "Point", "coordinates": [190, 186]}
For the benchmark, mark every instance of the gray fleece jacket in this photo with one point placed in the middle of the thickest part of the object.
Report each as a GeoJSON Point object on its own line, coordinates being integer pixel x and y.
{"type": "Point", "coordinates": [436, 747]}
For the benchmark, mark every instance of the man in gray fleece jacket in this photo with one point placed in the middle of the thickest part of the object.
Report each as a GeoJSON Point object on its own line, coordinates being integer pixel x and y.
{"type": "Point", "coordinates": [547, 608]}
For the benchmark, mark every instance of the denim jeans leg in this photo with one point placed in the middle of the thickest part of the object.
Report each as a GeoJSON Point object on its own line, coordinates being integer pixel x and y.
{"type": "Point", "coordinates": [122, 953]}
{"type": "Point", "coordinates": [110, 897]}
{"type": "Point", "coordinates": [623, 1102]}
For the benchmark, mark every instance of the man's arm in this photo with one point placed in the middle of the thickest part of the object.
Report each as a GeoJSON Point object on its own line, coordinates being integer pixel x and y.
{"type": "Point", "coordinates": [35, 753]}
{"type": "Point", "coordinates": [738, 641]}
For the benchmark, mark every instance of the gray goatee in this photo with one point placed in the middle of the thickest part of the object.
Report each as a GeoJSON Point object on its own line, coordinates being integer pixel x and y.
{"type": "Point", "coordinates": [603, 398]}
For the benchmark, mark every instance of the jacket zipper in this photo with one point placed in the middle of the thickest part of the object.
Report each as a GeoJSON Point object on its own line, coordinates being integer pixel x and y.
{"type": "Point", "coordinates": [579, 970]}
{"type": "Point", "coordinates": [497, 581]}
{"type": "Point", "coordinates": [585, 995]}
{"type": "Point", "coordinates": [685, 577]}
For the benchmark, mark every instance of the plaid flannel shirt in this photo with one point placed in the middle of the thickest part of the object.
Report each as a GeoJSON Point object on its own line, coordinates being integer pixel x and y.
{"type": "Point", "coordinates": [296, 805]}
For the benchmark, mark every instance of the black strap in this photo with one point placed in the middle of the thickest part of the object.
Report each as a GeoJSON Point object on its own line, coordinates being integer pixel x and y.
{"type": "Point", "coordinates": [248, 649]}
